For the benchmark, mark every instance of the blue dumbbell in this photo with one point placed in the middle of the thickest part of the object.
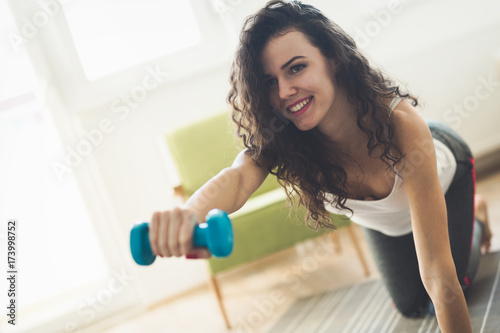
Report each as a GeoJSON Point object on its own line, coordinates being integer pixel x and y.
{"type": "Point", "coordinates": [216, 234]}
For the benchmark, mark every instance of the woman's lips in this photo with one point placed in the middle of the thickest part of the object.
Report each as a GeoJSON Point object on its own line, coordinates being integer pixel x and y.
{"type": "Point", "coordinates": [298, 102]}
{"type": "Point", "coordinates": [304, 108]}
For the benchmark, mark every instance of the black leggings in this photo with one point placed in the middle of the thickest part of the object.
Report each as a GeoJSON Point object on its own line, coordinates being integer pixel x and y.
{"type": "Point", "coordinates": [396, 257]}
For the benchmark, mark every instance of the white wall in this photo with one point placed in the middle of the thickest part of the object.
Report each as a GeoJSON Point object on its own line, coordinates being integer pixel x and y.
{"type": "Point", "coordinates": [446, 58]}
{"type": "Point", "coordinates": [442, 49]}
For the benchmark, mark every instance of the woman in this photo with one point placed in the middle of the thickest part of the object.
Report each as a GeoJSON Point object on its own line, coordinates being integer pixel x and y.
{"type": "Point", "coordinates": [352, 143]}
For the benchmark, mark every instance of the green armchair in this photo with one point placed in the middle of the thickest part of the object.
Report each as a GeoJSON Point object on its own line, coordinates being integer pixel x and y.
{"type": "Point", "coordinates": [263, 225]}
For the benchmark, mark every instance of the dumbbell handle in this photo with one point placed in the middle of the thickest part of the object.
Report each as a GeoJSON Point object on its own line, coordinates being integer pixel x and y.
{"type": "Point", "coordinates": [216, 234]}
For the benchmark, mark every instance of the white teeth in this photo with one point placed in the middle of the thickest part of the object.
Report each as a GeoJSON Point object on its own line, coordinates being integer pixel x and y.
{"type": "Point", "coordinates": [299, 106]}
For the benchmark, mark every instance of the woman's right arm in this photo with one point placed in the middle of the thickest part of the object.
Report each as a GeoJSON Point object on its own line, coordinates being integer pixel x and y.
{"type": "Point", "coordinates": [230, 189]}
{"type": "Point", "coordinates": [171, 231]}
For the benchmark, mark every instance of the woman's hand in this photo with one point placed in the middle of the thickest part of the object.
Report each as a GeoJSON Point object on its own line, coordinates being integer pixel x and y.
{"type": "Point", "coordinates": [171, 234]}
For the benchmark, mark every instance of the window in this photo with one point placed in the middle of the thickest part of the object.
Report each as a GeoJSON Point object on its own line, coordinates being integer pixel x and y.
{"type": "Point", "coordinates": [16, 75]}
{"type": "Point", "coordinates": [86, 53]}
{"type": "Point", "coordinates": [124, 34]}
{"type": "Point", "coordinates": [103, 48]}
{"type": "Point", "coordinates": [53, 226]}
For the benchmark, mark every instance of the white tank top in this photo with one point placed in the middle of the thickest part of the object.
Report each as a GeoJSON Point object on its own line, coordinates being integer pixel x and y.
{"type": "Point", "coordinates": [391, 215]}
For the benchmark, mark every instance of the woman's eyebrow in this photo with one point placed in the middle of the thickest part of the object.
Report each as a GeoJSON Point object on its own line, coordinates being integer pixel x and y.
{"type": "Point", "coordinates": [290, 61]}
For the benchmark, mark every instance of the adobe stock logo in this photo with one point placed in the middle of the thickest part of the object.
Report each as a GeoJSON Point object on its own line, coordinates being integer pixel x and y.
{"type": "Point", "coordinates": [461, 111]}
{"type": "Point", "coordinates": [89, 308]}
{"type": "Point", "coordinates": [31, 26]}
{"type": "Point", "coordinates": [292, 280]}
{"type": "Point", "coordinates": [373, 28]}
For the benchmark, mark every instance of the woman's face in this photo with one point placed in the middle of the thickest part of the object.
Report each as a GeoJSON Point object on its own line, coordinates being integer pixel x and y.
{"type": "Point", "coordinates": [299, 79]}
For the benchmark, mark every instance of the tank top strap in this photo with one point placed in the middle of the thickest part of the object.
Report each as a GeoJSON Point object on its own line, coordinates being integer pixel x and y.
{"type": "Point", "coordinates": [395, 101]}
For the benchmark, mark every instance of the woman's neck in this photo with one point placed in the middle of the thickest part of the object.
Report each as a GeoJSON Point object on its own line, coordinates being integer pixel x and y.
{"type": "Point", "coordinates": [340, 128]}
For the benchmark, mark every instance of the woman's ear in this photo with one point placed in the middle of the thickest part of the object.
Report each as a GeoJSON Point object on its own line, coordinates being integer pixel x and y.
{"type": "Point", "coordinates": [333, 66]}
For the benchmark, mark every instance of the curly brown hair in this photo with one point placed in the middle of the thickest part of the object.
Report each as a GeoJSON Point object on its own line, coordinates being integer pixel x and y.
{"type": "Point", "coordinates": [297, 158]}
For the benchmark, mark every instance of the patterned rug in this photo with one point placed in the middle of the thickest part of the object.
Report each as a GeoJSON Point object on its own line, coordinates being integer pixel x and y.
{"type": "Point", "coordinates": [367, 308]}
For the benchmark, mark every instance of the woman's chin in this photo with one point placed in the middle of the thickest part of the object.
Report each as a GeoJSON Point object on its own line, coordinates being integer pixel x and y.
{"type": "Point", "coordinates": [304, 128]}
{"type": "Point", "coordinates": [304, 125]}
{"type": "Point", "coordinates": [306, 121]}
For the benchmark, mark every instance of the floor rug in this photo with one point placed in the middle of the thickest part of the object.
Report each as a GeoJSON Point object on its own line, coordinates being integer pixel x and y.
{"type": "Point", "coordinates": [367, 308]}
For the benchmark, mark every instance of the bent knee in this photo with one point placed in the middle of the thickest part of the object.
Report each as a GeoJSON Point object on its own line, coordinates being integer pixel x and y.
{"type": "Point", "coordinates": [413, 311]}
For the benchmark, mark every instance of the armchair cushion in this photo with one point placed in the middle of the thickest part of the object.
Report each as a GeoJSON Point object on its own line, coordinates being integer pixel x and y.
{"type": "Point", "coordinates": [265, 225]}
{"type": "Point", "coordinates": [201, 150]}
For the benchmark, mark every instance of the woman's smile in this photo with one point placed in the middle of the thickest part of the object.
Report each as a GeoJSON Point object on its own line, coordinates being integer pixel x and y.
{"type": "Point", "coordinates": [301, 106]}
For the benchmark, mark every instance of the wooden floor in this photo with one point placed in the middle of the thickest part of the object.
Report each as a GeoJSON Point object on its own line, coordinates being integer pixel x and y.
{"type": "Point", "coordinates": [257, 295]}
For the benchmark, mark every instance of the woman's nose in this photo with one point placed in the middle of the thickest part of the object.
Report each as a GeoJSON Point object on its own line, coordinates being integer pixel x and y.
{"type": "Point", "coordinates": [286, 90]}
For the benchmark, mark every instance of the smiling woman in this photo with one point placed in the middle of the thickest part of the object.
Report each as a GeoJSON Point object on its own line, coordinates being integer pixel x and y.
{"type": "Point", "coordinates": [289, 57]}
{"type": "Point", "coordinates": [354, 142]}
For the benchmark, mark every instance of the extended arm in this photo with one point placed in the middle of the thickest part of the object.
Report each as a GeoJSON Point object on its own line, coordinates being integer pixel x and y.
{"type": "Point", "coordinates": [429, 221]}
{"type": "Point", "coordinates": [231, 188]}
{"type": "Point", "coordinates": [171, 231]}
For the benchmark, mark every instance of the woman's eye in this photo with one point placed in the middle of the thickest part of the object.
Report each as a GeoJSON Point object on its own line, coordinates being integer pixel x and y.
{"type": "Point", "coordinates": [269, 83]}
{"type": "Point", "coordinates": [296, 68]}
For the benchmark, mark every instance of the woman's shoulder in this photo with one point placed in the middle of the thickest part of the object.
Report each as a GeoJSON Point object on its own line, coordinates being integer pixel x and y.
{"type": "Point", "coordinates": [405, 117]}
{"type": "Point", "coordinates": [403, 109]}
{"type": "Point", "coordinates": [411, 132]}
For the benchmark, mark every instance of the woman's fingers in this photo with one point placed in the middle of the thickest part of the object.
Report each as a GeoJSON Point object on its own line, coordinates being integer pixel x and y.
{"type": "Point", "coordinates": [171, 234]}
{"type": "Point", "coordinates": [176, 220]}
{"type": "Point", "coordinates": [153, 233]}
{"type": "Point", "coordinates": [163, 247]}
{"type": "Point", "coordinates": [186, 231]}
{"type": "Point", "coordinates": [189, 249]}
{"type": "Point", "coordinates": [199, 253]}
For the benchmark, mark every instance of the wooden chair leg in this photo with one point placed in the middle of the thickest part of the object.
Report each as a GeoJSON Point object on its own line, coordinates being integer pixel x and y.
{"type": "Point", "coordinates": [357, 247]}
{"type": "Point", "coordinates": [214, 287]}
{"type": "Point", "coordinates": [336, 242]}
